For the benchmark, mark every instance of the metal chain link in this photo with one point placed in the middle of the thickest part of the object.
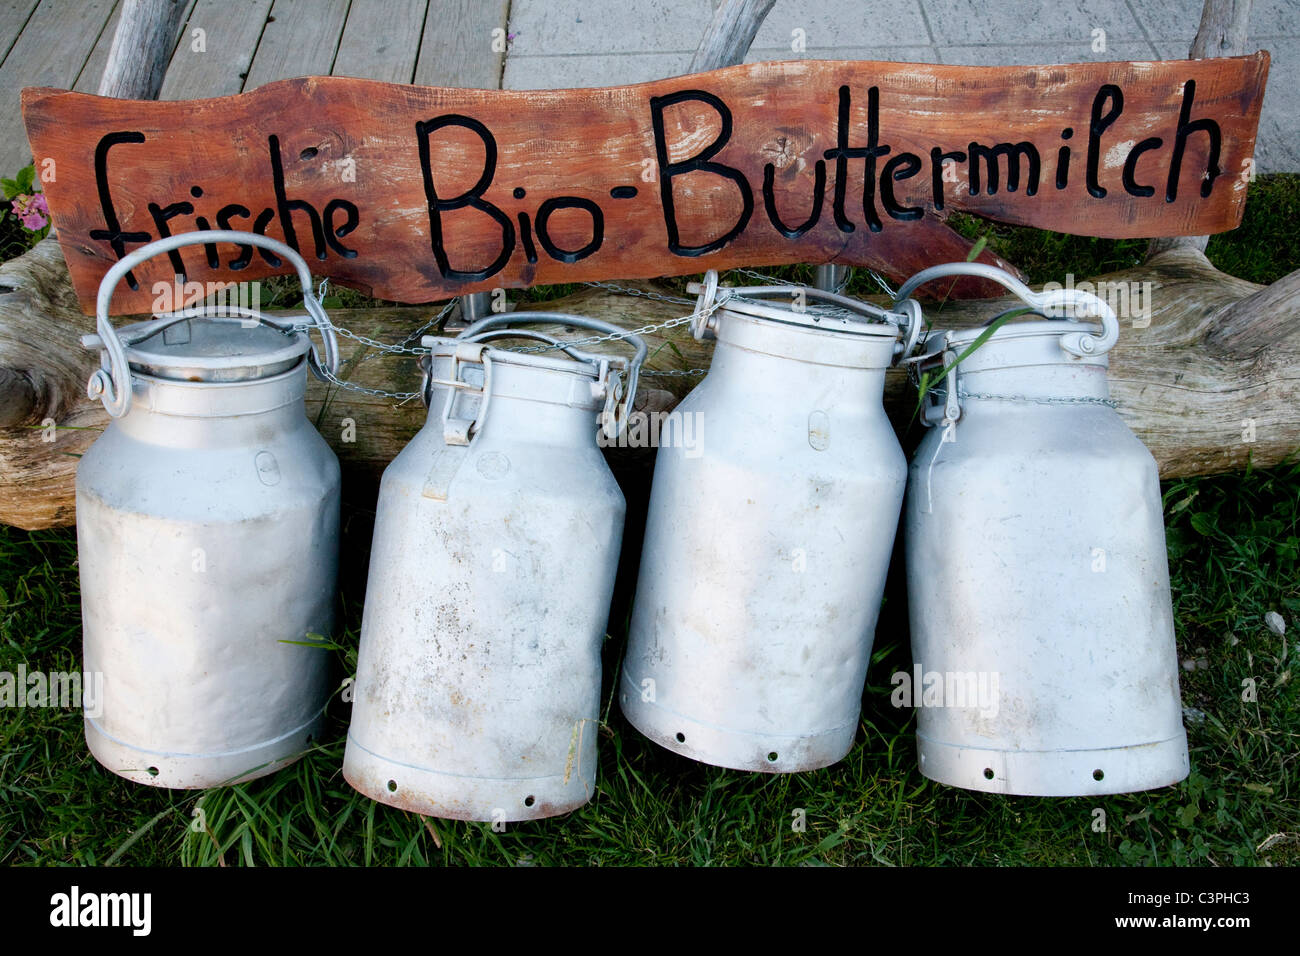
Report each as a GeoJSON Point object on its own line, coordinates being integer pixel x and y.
{"type": "Point", "coordinates": [1109, 403]}
{"type": "Point", "coordinates": [624, 290]}
{"type": "Point", "coordinates": [674, 373]}
{"type": "Point", "coordinates": [410, 344]}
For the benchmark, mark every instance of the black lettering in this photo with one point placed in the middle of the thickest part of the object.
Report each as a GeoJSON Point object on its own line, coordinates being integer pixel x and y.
{"type": "Point", "coordinates": [1062, 167]}
{"type": "Point", "coordinates": [769, 201]}
{"type": "Point", "coordinates": [117, 239]}
{"type": "Point", "coordinates": [161, 216]}
{"type": "Point", "coordinates": [1012, 152]}
{"type": "Point", "coordinates": [903, 166]}
{"type": "Point", "coordinates": [288, 206]}
{"type": "Point", "coordinates": [224, 215]}
{"type": "Point", "coordinates": [1131, 185]}
{"type": "Point", "coordinates": [570, 202]}
{"type": "Point", "coordinates": [937, 158]}
{"type": "Point", "coordinates": [842, 154]}
{"type": "Point", "coordinates": [259, 226]}
{"type": "Point", "coordinates": [1098, 124]}
{"type": "Point", "coordinates": [1186, 127]}
{"type": "Point", "coordinates": [526, 237]}
{"type": "Point", "coordinates": [472, 198]}
{"type": "Point", "coordinates": [1063, 160]}
{"type": "Point", "coordinates": [334, 233]}
{"type": "Point", "coordinates": [700, 162]}
{"type": "Point", "coordinates": [209, 248]}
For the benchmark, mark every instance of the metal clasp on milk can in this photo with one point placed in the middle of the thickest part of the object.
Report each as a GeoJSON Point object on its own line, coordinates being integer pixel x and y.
{"type": "Point", "coordinates": [1038, 580]}
{"type": "Point", "coordinates": [766, 548]}
{"type": "Point", "coordinates": [207, 538]}
{"type": "Point", "coordinates": [491, 572]}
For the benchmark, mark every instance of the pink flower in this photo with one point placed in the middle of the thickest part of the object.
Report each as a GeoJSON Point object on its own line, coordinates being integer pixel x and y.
{"type": "Point", "coordinates": [32, 210]}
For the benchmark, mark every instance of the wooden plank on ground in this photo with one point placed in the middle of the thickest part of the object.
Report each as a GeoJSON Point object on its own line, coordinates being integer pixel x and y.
{"type": "Point", "coordinates": [216, 61]}
{"type": "Point", "coordinates": [457, 47]}
{"type": "Point", "coordinates": [300, 39]}
{"type": "Point", "coordinates": [418, 193]}
{"type": "Point", "coordinates": [51, 51]}
{"type": "Point", "coordinates": [381, 40]}
{"type": "Point", "coordinates": [13, 17]}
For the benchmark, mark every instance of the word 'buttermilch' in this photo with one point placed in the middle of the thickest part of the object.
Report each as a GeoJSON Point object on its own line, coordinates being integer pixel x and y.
{"type": "Point", "coordinates": [883, 169]}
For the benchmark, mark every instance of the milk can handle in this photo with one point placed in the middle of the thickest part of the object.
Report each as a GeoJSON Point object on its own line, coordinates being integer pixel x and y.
{"type": "Point", "coordinates": [536, 336]}
{"type": "Point", "coordinates": [1055, 302]}
{"type": "Point", "coordinates": [113, 385]}
{"type": "Point", "coordinates": [582, 321]}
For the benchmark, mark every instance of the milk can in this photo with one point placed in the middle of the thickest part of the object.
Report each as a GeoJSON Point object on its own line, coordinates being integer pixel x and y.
{"type": "Point", "coordinates": [491, 572]}
{"type": "Point", "coordinates": [207, 539]}
{"type": "Point", "coordinates": [1038, 581]}
{"type": "Point", "coordinates": [768, 538]}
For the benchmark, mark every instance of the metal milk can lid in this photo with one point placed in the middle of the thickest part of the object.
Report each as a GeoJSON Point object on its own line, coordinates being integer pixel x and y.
{"type": "Point", "coordinates": [612, 378]}
{"type": "Point", "coordinates": [217, 348]}
{"type": "Point", "coordinates": [212, 350]}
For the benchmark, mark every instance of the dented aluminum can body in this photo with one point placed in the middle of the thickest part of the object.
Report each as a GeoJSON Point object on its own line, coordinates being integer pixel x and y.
{"type": "Point", "coordinates": [207, 539]}
{"type": "Point", "coordinates": [492, 568]}
{"type": "Point", "coordinates": [1038, 578]}
{"type": "Point", "coordinates": [767, 545]}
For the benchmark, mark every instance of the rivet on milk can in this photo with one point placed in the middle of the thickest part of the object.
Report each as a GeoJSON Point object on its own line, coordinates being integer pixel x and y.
{"type": "Point", "coordinates": [1037, 575]}
{"type": "Point", "coordinates": [491, 572]}
{"type": "Point", "coordinates": [766, 547]}
{"type": "Point", "coordinates": [207, 537]}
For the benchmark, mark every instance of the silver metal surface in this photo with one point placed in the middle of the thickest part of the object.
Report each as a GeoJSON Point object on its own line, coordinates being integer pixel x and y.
{"type": "Point", "coordinates": [766, 547]}
{"type": "Point", "coordinates": [207, 539]}
{"type": "Point", "coordinates": [492, 567]}
{"type": "Point", "coordinates": [109, 383]}
{"type": "Point", "coordinates": [1036, 567]}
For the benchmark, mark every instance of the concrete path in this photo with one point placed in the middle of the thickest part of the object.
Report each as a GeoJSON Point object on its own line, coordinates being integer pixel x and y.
{"type": "Point", "coordinates": [570, 43]}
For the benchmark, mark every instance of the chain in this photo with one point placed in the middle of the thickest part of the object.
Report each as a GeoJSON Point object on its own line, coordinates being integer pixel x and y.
{"type": "Point", "coordinates": [624, 290]}
{"type": "Point", "coordinates": [962, 393]}
{"type": "Point", "coordinates": [353, 387]}
{"type": "Point", "coordinates": [643, 330]}
{"type": "Point", "coordinates": [405, 347]}
{"type": "Point", "coordinates": [411, 344]}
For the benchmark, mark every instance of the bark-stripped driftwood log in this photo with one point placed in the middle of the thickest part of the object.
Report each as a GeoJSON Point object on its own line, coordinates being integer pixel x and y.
{"type": "Point", "coordinates": [142, 46]}
{"type": "Point", "coordinates": [730, 34]}
{"type": "Point", "coordinates": [1212, 383]}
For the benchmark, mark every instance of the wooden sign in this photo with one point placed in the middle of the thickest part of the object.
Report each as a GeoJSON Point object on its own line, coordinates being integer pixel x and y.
{"type": "Point", "coordinates": [415, 194]}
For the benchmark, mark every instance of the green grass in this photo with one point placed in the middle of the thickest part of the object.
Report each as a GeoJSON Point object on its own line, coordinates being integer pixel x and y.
{"type": "Point", "coordinates": [1261, 249]}
{"type": "Point", "coordinates": [1234, 542]}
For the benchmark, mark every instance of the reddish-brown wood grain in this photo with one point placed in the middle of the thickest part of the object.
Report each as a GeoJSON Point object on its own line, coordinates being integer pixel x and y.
{"type": "Point", "coordinates": [416, 193]}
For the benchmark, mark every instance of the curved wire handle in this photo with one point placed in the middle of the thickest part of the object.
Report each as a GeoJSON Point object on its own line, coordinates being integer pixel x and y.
{"type": "Point", "coordinates": [113, 385]}
{"type": "Point", "coordinates": [711, 296]}
{"type": "Point", "coordinates": [1053, 303]}
{"type": "Point", "coordinates": [569, 350]}
{"type": "Point", "coordinates": [584, 322]}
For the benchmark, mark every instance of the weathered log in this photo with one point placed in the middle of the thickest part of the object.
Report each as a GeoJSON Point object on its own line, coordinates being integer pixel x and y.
{"type": "Point", "coordinates": [142, 46]}
{"type": "Point", "coordinates": [40, 328]}
{"type": "Point", "coordinates": [1210, 384]}
{"type": "Point", "coordinates": [729, 35]}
